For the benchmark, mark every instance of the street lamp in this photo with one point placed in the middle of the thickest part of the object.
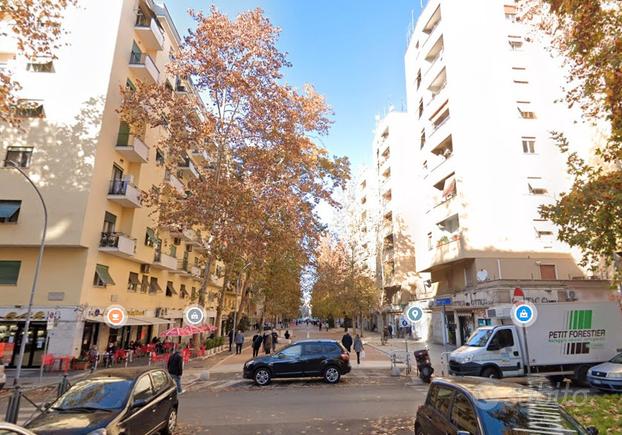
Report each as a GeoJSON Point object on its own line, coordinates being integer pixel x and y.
{"type": "Point", "coordinates": [22, 348]}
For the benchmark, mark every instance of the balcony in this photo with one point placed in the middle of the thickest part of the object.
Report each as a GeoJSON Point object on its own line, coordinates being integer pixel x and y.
{"type": "Point", "coordinates": [196, 272]}
{"type": "Point", "coordinates": [186, 166]}
{"type": "Point", "coordinates": [132, 148]}
{"type": "Point", "coordinates": [118, 244]}
{"type": "Point", "coordinates": [163, 261]}
{"type": "Point", "coordinates": [149, 32]}
{"type": "Point", "coordinates": [183, 268]}
{"type": "Point", "coordinates": [199, 155]}
{"type": "Point", "coordinates": [124, 193]}
{"type": "Point", "coordinates": [175, 183]}
{"type": "Point", "coordinates": [143, 67]}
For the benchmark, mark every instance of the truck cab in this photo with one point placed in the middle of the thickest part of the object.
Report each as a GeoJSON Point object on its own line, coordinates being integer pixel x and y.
{"type": "Point", "coordinates": [491, 351]}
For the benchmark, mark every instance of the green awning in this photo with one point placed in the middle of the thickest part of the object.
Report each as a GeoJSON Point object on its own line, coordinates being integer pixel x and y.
{"type": "Point", "coordinates": [104, 276]}
{"type": "Point", "coordinates": [8, 209]}
{"type": "Point", "coordinates": [151, 236]}
{"type": "Point", "coordinates": [154, 287]}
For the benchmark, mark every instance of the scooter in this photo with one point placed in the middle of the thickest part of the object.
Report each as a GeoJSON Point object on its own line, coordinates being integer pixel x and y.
{"type": "Point", "coordinates": [424, 366]}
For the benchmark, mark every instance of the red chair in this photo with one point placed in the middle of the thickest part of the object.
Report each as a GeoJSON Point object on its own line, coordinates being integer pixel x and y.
{"type": "Point", "coordinates": [186, 354]}
{"type": "Point", "coordinates": [65, 363]}
{"type": "Point", "coordinates": [120, 355]}
{"type": "Point", "coordinates": [202, 351]}
{"type": "Point", "coordinates": [48, 362]}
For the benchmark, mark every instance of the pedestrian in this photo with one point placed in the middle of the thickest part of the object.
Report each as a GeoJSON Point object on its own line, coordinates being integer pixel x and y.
{"type": "Point", "coordinates": [175, 367]}
{"type": "Point", "coordinates": [267, 343]}
{"type": "Point", "coordinates": [390, 331]}
{"type": "Point", "coordinates": [320, 326]}
{"type": "Point", "coordinates": [358, 348]}
{"type": "Point", "coordinates": [287, 334]}
{"type": "Point", "coordinates": [230, 339]}
{"type": "Point", "coordinates": [239, 341]}
{"type": "Point", "coordinates": [275, 340]}
{"type": "Point", "coordinates": [257, 340]}
{"type": "Point", "coordinates": [346, 340]}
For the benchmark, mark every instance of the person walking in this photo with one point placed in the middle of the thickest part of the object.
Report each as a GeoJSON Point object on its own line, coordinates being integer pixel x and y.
{"type": "Point", "coordinates": [267, 343]}
{"type": "Point", "coordinates": [287, 334]}
{"type": "Point", "coordinates": [275, 339]}
{"type": "Point", "coordinates": [175, 367]}
{"type": "Point", "coordinates": [346, 340]}
{"type": "Point", "coordinates": [390, 330]}
{"type": "Point", "coordinates": [358, 348]}
{"type": "Point", "coordinates": [239, 341]}
{"type": "Point", "coordinates": [320, 326]}
{"type": "Point", "coordinates": [231, 336]}
{"type": "Point", "coordinates": [257, 340]}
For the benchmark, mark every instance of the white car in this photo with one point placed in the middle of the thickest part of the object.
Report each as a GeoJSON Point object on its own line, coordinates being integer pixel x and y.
{"type": "Point", "coordinates": [607, 376]}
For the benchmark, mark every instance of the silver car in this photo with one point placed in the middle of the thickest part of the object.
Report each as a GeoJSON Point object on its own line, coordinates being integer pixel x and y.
{"type": "Point", "coordinates": [607, 376]}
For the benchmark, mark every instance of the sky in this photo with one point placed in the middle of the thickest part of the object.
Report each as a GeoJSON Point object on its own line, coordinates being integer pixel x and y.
{"type": "Point", "coordinates": [352, 51]}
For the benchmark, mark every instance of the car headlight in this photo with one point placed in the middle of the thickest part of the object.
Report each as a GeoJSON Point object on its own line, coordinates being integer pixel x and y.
{"type": "Point", "coordinates": [468, 358]}
{"type": "Point", "coordinates": [614, 375]}
{"type": "Point", "coordinates": [98, 432]}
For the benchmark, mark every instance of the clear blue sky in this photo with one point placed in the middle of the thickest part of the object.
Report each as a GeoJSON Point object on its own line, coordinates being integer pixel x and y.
{"type": "Point", "coordinates": [352, 51]}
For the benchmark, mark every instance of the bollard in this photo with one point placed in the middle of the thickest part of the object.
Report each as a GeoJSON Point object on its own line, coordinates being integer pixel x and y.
{"type": "Point", "coordinates": [12, 410]}
{"type": "Point", "coordinates": [63, 386]}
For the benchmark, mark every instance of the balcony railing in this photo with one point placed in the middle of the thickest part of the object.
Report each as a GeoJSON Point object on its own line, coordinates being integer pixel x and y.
{"type": "Point", "coordinates": [117, 243]}
{"type": "Point", "coordinates": [149, 31]}
{"type": "Point", "coordinates": [132, 148]}
{"type": "Point", "coordinates": [148, 71]}
{"type": "Point", "coordinates": [125, 193]}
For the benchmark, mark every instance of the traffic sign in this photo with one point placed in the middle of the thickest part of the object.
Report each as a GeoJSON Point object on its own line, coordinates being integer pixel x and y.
{"type": "Point", "coordinates": [524, 314]}
{"type": "Point", "coordinates": [413, 314]}
{"type": "Point", "coordinates": [442, 301]}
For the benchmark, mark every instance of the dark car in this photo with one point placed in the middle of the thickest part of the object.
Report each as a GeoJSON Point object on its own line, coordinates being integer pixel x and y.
{"type": "Point", "coordinates": [305, 358]}
{"type": "Point", "coordinates": [115, 401]}
{"type": "Point", "coordinates": [477, 406]}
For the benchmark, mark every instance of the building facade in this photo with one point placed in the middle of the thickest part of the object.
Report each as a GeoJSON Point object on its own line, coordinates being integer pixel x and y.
{"type": "Point", "coordinates": [103, 245]}
{"type": "Point", "coordinates": [477, 162]}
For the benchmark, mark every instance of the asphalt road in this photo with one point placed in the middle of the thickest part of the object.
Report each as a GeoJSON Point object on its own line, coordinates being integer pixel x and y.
{"type": "Point", "coordinates": [385, 406]}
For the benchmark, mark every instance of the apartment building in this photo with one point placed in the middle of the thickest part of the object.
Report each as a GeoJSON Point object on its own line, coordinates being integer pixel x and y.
{"type": "Point", "coordinates": [478, 162]}
{"type": "Point", "coordinates": [103, 245]}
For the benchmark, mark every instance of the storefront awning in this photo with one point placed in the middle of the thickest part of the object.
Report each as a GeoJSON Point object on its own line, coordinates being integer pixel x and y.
{"type": "Point", "coordinates": [135, 320]}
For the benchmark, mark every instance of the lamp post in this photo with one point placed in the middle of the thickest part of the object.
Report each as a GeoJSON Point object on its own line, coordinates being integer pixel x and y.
{"type": "Point", "coordinates": [22, 348]}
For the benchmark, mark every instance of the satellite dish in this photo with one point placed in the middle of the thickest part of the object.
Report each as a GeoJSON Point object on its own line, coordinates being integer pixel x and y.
{"type": "Point", "coordinates": [482, 275]}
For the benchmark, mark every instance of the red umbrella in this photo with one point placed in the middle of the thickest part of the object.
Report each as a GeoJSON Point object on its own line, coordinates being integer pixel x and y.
{"type": "Point", "coordinates": [175, 332]}
{"type": "Point", "coordinates": [191, 329]}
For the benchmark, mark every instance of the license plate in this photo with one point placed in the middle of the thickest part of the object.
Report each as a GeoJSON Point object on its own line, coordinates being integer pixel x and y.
{"type": "Point", "coordinates": [595, 381]}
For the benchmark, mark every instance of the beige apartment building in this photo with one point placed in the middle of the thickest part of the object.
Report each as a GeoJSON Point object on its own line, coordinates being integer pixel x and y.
{"type": "Point", "coordinates": [103, 246]}
{"type": "Point", "coordinates": [476, 161]}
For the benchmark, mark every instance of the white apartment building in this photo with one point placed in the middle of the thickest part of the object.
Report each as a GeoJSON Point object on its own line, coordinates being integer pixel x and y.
{"type": "Point", "coordinates": [478, 161]}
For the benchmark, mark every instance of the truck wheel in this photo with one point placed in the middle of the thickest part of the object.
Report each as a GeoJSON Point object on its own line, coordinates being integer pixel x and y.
{"type": "Point", "coordinates": [491, 372]}
{"type": "Point", "coordinates": [580, 376]}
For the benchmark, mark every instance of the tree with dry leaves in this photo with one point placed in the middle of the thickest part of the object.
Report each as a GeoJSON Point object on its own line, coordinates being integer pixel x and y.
{"type": "Point", "coordinates": [264, 174]}
{"type": "Point", "coordinates": [36, 28]}
{"type": "Point", "coordinates": [586, 33]}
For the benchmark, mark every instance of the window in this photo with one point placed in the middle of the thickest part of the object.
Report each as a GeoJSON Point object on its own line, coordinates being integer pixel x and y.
{"type": "Point", "coordinates": [313, 349]}
{"type": "Point", "coordinates": [503, 339]}
{"type": "Point", "coordinates": [292, 351]}
{"type": "Point", "coordinates": [144, 285]}
{"type": "Point", "coordinates": [9, 211]}
{"type": "Point", "coordinates": [516, 43]}
{"type": "Point", "coordinates": [418, 79]}
{"type": "Point", "coordinates": [159, 157]}
{"type": "Point", "coordinates": [193, 294]}
{"type": "Point", "coordinates": [132, 282]}
{"type": "Point", "coordinates": [143, 390]}
{"type": "Point", "coordinates": [529, 145]}
{"type": "Point", "coordinates": [422, 139]}
{"type": "Point", "coordinates": [547, 271]}
{"type": "Point", "coordinates": [150, 238]}
{"type": "Point", "coordinates": [18, 155]}
{"type": "Point", "coordinates": [441, 399]}
{"type": "Point", "coordinates": [536, 186]}
{"type": "Point", "coordinates": [30, 109]}
{"type": "Point", "coordinates": [463, 415]}
{"type": "Point", "coordinates": [9, 272]}
{"type": "Point", "coordinates": [420, 108]}
{"type": "Point", "coordinates": [429, 241]}
{"type": "Point", "coordinates": [170, 289]}
{"type": "Point", "coordinates": [183, 293]}
{"type": "Point", "coordinates": [130, 85]}
{"type": "Point", "coordinates": [102, 277]}
{"type": "Point", "coordinates": [525, 109]}
{"type": "Point", "coordinates": [110, 221]}
{"type": "Point", "coordinates": [44, 67]}
{"type": "Point", "coordinates": [154, 287]}
{"type": "Point", "coordinates": [160, 380]}
{"type": "Point", "coordinates": [510, 13]}
{"type": "Point", "coordinates": [331, 349]}
{"type": "Point", "coordinates": [123, 137]}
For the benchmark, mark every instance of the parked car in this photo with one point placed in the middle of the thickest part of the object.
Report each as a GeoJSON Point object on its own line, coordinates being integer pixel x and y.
{"type": "Point", "coordinates": [305, 358]}
{"type": "Point", "coordinates": [2, 375]}
{"type": "Point", "coordinates": [13, 429]}
{"type": "Point", "coordinates": [127, 400]}
{"type": "Point", "coordinates": [470, 405]}
{"type": "Point", "coordinates": [607, 376]}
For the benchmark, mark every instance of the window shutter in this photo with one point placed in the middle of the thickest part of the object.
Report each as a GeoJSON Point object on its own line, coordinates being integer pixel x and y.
{"type": "Point", "coordinates": [9, 272]}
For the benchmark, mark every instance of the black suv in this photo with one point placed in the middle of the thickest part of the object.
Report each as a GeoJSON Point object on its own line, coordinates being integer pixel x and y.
{"type": "Point", "coordinates": [305, 358]}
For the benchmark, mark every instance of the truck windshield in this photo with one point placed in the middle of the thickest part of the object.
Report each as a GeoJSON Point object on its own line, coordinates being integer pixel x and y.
{"type": "Point", "coordinates": [479, 338]}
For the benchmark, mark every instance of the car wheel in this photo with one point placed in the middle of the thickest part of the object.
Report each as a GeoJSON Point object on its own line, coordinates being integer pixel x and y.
{"type": "Point", "coordinates": [262, 376]}
{"type": "Point", "coordinates": [491, 372]}
{"type": "Point", "coordinates": [332, 375]}
{"type": "Point", "coordinates": [580, 376]}
{"type": "Point", "coordinates": [171, 422]}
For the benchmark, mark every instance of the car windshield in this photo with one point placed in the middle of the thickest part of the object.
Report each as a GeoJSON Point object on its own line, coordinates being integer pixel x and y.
{"type": "Point", "coordinates": [479, 338]}
{"type": "Point", "coordinates": [519, 417]}
{"type": "Point", "coordinates": [97, 393]}
{"type": "Point", "coordinates": [617, 359]}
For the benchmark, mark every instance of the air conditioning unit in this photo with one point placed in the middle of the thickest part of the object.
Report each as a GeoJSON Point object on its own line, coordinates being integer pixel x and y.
{"type": "Point", "coordinates": [571, 296]}
{"type": "Point", "coordinates": [177, 241]}
{"type": "Point", "coordinates": [145, 268]}
{"type": "Point", "coordinates": [188, 248]}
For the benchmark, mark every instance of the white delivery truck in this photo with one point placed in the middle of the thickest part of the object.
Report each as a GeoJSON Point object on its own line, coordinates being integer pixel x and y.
{"type": "Point", "coordinates": [566, 339]}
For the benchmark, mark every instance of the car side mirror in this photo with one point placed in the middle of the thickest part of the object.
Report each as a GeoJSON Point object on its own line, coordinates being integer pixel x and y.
{"type": "Point", "coordinates": [592, 430]}
{"type": "Point", "coordinates": [139, 403]}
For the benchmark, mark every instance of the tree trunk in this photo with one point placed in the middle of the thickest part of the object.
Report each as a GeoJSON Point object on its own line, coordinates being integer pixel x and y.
{"type": "Point", "coordinates": [244, 297]}
{"type": "Point", "coordinates": [221, 301]}
{"type": "Point", "coordinates": [361, 323]}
